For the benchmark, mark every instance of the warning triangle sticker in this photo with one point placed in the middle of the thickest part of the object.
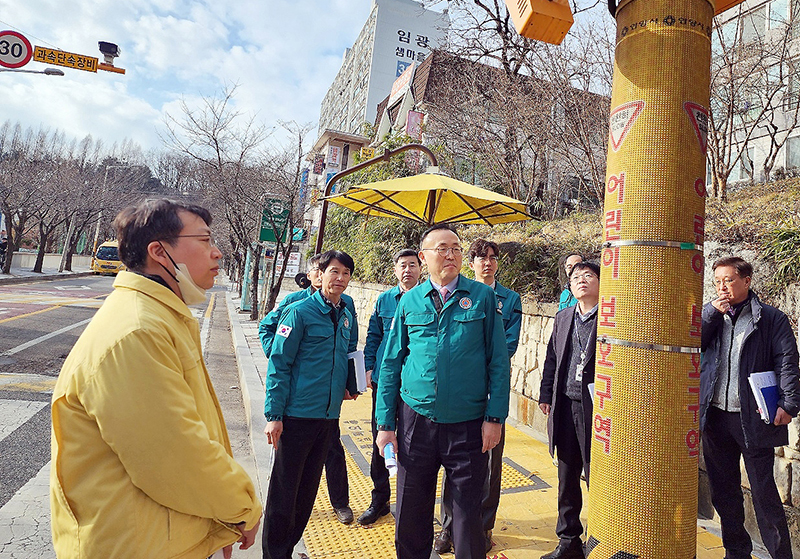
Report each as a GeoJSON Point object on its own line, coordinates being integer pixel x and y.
{"type": "Point", "coordinates": [622, 120]}
{"type": "Point", "coordinates": [698, 116]}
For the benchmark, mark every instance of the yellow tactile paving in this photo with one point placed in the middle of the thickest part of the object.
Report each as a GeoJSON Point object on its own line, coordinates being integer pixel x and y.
{"type": "Point", "coordinates": [526, 519]}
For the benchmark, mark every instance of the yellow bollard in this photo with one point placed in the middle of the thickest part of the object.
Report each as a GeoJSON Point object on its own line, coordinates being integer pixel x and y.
{"type": "Point", "coordinates": [645, 447]}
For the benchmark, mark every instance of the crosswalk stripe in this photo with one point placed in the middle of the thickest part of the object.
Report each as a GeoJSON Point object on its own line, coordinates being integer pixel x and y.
{"type": "Point", "coordinates": [16, 413]}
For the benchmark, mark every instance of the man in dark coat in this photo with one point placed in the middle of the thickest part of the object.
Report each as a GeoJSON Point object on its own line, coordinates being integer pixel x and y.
{"type": "Point", "coordinates": [565, 399]}
{"type": "Point", "coordinates": [741, 336]}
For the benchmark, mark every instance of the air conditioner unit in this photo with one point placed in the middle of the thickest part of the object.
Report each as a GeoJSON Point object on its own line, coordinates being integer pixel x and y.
{"type": "Point", "coordinates": [541, 20]}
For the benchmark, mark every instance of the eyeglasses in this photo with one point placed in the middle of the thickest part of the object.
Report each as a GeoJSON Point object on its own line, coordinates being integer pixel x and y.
{"type": "Point", "coordinates": [724, 281]}
{"type": "Point", "coordinates": [444, 251]}
{"type": "Point", "coordinates": [203, 237]}
{"type": "Point", "coordinates": [578, 277]}
{"type": "Point", "coordinates": [485, 258]}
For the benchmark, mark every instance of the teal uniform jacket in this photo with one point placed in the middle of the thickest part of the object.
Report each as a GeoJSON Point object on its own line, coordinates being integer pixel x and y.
{"type": "Point", "coordinates": [269, 324]}
{"type": "Point", "coordinates": [510, 305]}
{"type": "Point", "coordinates": [566, 300]}
{"type": "Point", "coordinates": [380, 322]}
{"type": "Point", "coordinates": [307, 368]}
{"type": "Point", "coordinates": [451, 366]}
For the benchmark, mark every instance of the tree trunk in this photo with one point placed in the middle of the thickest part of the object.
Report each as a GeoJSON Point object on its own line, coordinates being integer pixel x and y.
{"type": "Point", "coordinates": [276, 287]}
{"type": "Point", "coordinates": [13, 241]}
{"type": "Point", "coordinates": [37, 267]}
{"type": "Point", "coordinates": [256, 262]}
{"type": "Point", "coordinates": [722, 188]}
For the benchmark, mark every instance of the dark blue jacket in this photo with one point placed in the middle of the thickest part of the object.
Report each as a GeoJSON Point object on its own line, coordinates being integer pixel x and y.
{"type": "Point", "coordinates": [769, 345]}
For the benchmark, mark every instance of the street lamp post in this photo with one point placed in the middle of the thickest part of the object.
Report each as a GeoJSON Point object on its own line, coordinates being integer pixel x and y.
{"type": "Point", "coordinates": [46, 71]}
{"type": "Point", "coordinates": [100, 213]}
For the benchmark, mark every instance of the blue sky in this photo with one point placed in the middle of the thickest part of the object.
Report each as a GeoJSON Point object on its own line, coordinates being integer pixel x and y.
{"type": "Point", "coordinates": [283, 54]}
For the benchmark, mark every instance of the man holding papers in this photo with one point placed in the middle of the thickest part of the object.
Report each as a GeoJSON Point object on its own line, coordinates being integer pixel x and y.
{"type": "Point", "coordinates": [335, 465]}
{"type": "Point", "coordinates": [743, 336]}
{"type": "Point", "coordinates": [305, 386]}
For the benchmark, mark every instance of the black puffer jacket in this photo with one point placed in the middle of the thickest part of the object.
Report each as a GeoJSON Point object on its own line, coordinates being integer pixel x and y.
{"type": "Point", "coordinates": [769, 345]}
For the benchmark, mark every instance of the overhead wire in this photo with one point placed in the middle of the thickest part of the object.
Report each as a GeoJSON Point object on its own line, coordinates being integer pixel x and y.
{"type": "Point", "coordinates": [15, 28]}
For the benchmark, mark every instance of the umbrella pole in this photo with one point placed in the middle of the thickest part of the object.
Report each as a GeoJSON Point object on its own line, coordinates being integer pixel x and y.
{"type": "Point", "coordinates": [431, 207]}
{"type": "Point", "coordinates": [385, 156]}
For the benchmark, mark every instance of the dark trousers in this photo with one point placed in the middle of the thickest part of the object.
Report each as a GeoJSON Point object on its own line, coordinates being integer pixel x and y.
{"type": "Point", "coordinates": [572, 451]}
{"type": "Point", "coordinates": [723, 445]}
{"type": "Point", "coordinates": [294, 481]}
{"type": "Point", "coordinates": [382, 491]}
{"type": "Point", "coordinates": [424, 447]}
{"type": "Point", "coordinates": [336, 473]}
{"type": "Point", "coordinates": [491, 490]}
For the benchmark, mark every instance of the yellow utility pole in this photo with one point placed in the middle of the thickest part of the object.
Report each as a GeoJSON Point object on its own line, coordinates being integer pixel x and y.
{"type": "Point", "coordinates": [645, 429]}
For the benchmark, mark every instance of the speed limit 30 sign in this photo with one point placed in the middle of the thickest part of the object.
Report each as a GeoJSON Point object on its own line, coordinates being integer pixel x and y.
{"type": "Point", "coordinates": [15, 50]}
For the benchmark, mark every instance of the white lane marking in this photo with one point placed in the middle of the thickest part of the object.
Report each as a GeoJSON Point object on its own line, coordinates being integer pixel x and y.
{"type": "Point", "coordinates": [44, 338]}
{"type": "Point", "coordinates": [15, 413]}
{"type": "Point", "coordinates": [72, 287]}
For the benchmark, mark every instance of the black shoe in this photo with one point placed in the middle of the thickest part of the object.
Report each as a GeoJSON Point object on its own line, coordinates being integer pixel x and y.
{"type": "Point", "coordinates": [443, 542]}
{"type": "Point", "coordinates": [566, 550]}
{"type": "Point", "coordinates": [489, 543]}
{"type": "Point", "coordinates": [344, 515]}
{"type": "Point", "coordinates": [373, 513]}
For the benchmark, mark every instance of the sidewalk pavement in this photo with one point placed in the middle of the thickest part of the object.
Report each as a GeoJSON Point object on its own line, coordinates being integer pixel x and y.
{"type": "Point", "coordinates": [25, 275]}
{"type": "Point", "coordinates": [525, 527]}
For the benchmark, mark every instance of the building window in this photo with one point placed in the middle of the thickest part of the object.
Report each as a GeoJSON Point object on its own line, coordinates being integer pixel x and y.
{"type": "Point", "coordinates": [778, 13]}
{"type": "Point", "coordinates": [795, 19]}
{"type": "Point", "coordinates": [793, 91]}
{"type": "Point", "coordinates": [753, 25]}
{"type": "Point", "coordinates": [793, 153]}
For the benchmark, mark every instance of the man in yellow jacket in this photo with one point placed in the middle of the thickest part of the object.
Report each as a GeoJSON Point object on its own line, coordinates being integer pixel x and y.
{"type": "Point", "coordinates": [141, 461]}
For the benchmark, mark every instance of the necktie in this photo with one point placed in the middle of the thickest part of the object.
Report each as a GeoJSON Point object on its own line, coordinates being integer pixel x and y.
{"type": "Point", "coordinates": [445, 294]}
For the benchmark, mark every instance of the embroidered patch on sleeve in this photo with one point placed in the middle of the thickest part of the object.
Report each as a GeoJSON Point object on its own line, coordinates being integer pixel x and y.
{"type": "Point", "coordinates": [284, 330]}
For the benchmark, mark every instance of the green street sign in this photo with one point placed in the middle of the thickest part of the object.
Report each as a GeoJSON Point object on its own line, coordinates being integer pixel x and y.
{"type": "Point", "coordinates": [275, 216]}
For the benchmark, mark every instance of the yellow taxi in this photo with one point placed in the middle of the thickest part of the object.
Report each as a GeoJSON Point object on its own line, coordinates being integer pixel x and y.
{"type": "Point", "coordinates": [106, 259]}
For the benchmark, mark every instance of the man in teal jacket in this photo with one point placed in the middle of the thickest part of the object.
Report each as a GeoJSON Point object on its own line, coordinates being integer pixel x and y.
{"type": "Point", "coordinates": [483, 256]}
{"type": "Point", "coordinates": [305, 386]}
{"type": "Point", "coordinates": [335, 464]}
{"type": "Point", "coordinates": [447, 360]}
{"type": "Point", "coordinates": [406, 270]}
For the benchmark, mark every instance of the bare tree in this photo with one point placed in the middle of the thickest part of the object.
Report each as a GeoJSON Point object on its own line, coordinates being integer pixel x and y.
{"type": "Point", "coordinates": [225, 146]}
{"type": "Point", "coordinates": [285, 173]}
{"type": "Point", "coordinates": [525, 118]}
{"type": "Point", "coordinates": [16, 201]}
{"type": "Point", "coordinates": [751, 71]}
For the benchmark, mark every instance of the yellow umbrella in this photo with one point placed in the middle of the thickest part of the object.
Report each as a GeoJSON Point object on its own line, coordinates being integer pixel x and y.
{"type": "Point", "coordinates": [432, 198]}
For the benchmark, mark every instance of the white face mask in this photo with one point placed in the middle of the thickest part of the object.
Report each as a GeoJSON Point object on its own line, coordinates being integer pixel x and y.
{"type": "Point", "coordinates": [191, 293]}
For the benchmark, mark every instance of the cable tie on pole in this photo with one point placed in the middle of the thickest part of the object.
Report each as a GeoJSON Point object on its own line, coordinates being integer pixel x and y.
{"type": "Point", "coordinates": [668, 244]}
{"type": "Point", "coordinates": [603, 339]}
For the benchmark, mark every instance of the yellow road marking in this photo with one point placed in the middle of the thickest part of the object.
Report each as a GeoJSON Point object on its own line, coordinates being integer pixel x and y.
{"type": "Point", "coordinates": [210, 305]}
{"type": "Point", "coordinates": [54, 307]}
{"type": "Point", "coordinates": [43, 386]}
